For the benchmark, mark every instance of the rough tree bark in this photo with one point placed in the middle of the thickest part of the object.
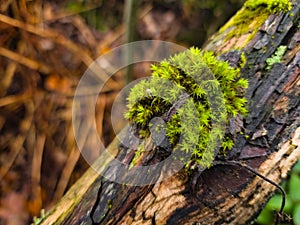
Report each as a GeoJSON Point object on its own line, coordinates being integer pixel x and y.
{"type": "Point", "coordinates": [221, 194]}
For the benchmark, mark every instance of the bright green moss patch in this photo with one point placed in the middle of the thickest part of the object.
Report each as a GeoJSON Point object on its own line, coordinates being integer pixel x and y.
{"type": "Point", "coordinates": [272, 6]}
{"type": "Point", "coordinates": [276, 57]}
{"type": "Point", "coordinates": [251, 17]}
{"type": "Point", "coordinates": [182, 81]}
{"type": "Point", "coordinates": [245, 22]}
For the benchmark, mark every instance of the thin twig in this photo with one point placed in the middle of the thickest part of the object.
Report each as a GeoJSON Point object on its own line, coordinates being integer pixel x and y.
{"type": "Point", "coordinates": [36, 169]}
{"type": "Point", "coordinates": [32, 64]}
{"type": "Point", "coordinates": [130, 21]}
{"type": "Point", "coordinates": [244, 165]}
{"type": "Point", "coordinates": [65, 13]}
{"type": "Point", "coordinates": [14, 99]}
{"type": "Point", "coordinates": [11, 69]}
{"type": "Point", "coordinates": [16, 144]}
{"type": "Point", "coordinates": [50, 34]}
{"type": "Point", "coordinates": [60, 39]}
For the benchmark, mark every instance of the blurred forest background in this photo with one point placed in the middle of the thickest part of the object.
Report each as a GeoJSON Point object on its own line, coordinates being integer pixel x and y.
{"type": "Point", "coordinates": [45, 47]}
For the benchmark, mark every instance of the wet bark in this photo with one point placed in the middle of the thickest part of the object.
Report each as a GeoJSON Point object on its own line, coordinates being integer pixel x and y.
{"type": "Point", "coordinates": [222, 194]}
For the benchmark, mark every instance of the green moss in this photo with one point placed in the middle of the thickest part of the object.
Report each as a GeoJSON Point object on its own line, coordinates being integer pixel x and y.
{"type": "Point", "coordinates": [169, 80]}
{"type": "Point", "coordinates": [243, 60]}
{"type": "Point", "coordinates": [276, 57]}
{"type": "Point", "coordinates": [109, 203]}
{"type": "Point", "coordinates": [272, 6]}
{"type": "Point", "coordinates": [137, 154]}
{"type": "Point", "coordinates": [38, 220]}
{"type": "Point", "coordinates": [251, 17]}
{"type": "Point", "coordinates": [264, 49]}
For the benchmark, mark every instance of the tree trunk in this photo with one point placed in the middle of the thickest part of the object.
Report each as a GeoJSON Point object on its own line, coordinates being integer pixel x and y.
{"type": "Point", "coordinates": [222, 194]}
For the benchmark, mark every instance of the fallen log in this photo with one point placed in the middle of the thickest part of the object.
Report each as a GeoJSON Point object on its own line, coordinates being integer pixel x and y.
{"type": "Point", "coordinates": [222, 194]}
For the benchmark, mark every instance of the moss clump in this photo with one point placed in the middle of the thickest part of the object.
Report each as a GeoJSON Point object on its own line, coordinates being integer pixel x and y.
{"type": "Point", "coordinates": [174, 78]}
{"type": "Point", "coordinates": [272, 6]}
{"type": "Point", "coordinates": [251, 17]}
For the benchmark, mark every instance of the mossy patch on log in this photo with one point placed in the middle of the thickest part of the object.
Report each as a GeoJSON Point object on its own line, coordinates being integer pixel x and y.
{"type": "Point", "coordinates": [175, 78]}
{"type": "Point", "coordinates": [251, 17]}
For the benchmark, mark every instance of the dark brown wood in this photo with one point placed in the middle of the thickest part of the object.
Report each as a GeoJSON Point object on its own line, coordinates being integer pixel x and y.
{"type": "Point", "coordinates": [221, 194]}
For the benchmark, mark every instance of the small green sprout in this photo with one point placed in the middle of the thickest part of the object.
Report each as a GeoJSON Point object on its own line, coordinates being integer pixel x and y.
{"type": "Point", "coordinates": [109, 203]}
{"type": "Point", "coordinates": [276, 57]}
{"type": "Point", "coordinates": [38, 220]}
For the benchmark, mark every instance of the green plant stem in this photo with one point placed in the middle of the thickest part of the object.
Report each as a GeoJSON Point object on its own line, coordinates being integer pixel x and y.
{"type": "Point", "coordinates": [130, 21]}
